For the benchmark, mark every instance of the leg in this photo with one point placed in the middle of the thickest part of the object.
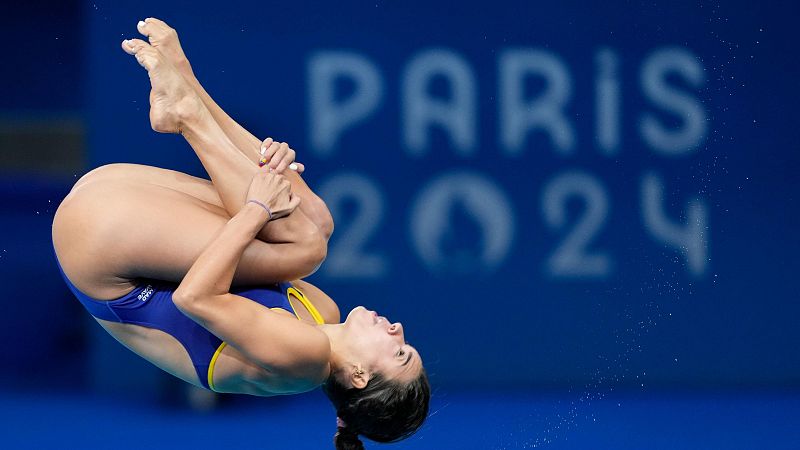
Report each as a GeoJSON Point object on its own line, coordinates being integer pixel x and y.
{"type": "Point", "coordinates": [199, 188]}
{"type": "Point", "coordinates": [176, 108]}
{"type": "Point", "coordinates": [109, 232]}
{"type": "Point", "coordinates": [165, 39]}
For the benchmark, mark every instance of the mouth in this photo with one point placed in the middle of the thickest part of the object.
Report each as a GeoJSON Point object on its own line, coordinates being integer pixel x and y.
{"type": "Point", "coordinates": [376, 319]}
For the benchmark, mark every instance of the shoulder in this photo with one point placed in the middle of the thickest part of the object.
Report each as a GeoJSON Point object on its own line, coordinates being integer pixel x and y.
{"type": "Point", "coordinates": [324, 304]}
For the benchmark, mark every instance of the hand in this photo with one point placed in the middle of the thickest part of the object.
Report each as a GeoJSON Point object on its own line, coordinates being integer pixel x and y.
{"type": "Point", "coordinates": [278, 156]}
{"type": "Point", "coordinates": [275, 191]}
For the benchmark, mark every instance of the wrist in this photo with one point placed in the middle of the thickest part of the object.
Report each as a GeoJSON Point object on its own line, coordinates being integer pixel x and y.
{"type": "Point", "coordinates": [247, 222]}
{"type": "Point", "coordinates": [255, 215]}
{"type": "Point", "coordinates": [262, 206]}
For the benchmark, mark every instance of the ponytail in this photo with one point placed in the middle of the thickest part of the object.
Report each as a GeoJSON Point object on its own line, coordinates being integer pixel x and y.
{"type": "Point", "coordinates": [346, 439]}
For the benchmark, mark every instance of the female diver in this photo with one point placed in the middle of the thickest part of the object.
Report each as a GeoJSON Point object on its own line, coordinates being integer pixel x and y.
{"type": "Point", "coordinates": [192, 275]}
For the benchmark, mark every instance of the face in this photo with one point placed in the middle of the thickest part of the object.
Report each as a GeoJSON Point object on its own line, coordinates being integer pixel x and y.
{"type": "Point", "coordinates": [380, 346]}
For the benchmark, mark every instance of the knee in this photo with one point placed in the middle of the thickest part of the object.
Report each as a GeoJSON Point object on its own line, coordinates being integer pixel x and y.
{"type": "Point", "coordinates": [312, 249]}
{"type": "Point", "coordinates": [317, 251]}
{"type": "Point", "coordinates": [321, 216]}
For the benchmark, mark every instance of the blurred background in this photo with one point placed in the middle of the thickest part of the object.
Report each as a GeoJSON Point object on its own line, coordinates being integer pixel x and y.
{"type": "Point", "coordinates": [583, 213]}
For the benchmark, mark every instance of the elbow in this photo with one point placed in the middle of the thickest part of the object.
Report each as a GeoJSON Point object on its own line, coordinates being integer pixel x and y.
{"type": "Point", "coordinates": [184, 298]}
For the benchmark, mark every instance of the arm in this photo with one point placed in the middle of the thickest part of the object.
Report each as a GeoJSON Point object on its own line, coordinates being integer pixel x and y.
{"type": "Point", "coordinates": [295, 350]}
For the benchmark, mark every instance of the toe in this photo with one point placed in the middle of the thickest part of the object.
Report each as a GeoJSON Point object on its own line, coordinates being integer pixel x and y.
{"type": "Point", "coordinates": [144, 28]}
{"type": "Point", "coordinates": [137, 45]}
{"type": "Point", "coordinates": [127, 45]}
{"type": "Point", "coordinates": [154, 28]}
{"type": "Point", "coordinates": [145, 54]}
{"type": "Point", "coordinates": [156, 22]}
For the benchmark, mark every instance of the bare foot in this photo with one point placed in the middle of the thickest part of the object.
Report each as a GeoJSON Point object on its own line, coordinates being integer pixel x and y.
{"type": "Point", "coordinates": [165, 39]}
{"type": "Point", "coordinates": [172, 100]}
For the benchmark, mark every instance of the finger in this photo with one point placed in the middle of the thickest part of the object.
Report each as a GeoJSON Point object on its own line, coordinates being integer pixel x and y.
{"type": "Point", "coordinates": [294, 202]}
{"type": "Point", "coordinates": [276, 159]}
{"type": "Point", "coordinates": [265, 145]}
{"type": "Point", "coordinates": [262, 160]}
{"type": "Point", "coordinates": [285, 161]}
{"type": "Point", "coordinates": [284, 185]}
{"type": "Point", "coordinates": [274, 147]}
{"type": "Point", "coordinates": [279, 155]}
{"type": "Point", "coordinates": [271, 149]}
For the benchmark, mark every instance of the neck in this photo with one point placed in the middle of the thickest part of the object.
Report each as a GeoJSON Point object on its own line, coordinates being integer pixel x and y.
{"type": "Point", "coordinates": [335, 335]}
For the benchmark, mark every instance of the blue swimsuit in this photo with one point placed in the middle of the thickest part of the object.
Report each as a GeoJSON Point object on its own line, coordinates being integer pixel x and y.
{"type": "Point", "coordinates": [150, 305]}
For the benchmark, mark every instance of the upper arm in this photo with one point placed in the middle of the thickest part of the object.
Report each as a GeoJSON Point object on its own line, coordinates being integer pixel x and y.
{"type": "Point", "coordinates": [280, 344]}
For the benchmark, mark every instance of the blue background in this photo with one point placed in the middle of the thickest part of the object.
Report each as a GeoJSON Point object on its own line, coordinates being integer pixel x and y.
{"type": "Point", "coordinates": [648, 323]}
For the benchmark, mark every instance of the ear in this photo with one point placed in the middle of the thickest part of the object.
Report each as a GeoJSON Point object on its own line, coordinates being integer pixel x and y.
{"type": "Point", "coordinates": [359, 378]}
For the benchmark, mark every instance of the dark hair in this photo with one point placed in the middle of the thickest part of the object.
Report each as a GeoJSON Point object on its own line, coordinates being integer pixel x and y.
{"type": "Point", "coordinates": [383, 411]}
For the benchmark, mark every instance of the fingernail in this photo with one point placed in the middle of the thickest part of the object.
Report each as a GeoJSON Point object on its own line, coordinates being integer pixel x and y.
{"type": "Point", "coordinates": [140, 24]}
{"type": "Point", "coordinates": [293, 166]}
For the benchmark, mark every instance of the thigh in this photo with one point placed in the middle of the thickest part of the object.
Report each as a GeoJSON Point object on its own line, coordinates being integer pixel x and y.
{"type": "Point", "coordinates": [108, 233]}
{"type": "Point", "coordinates": [312, 206]}
{"type": "Point", "coordinates": [199, 188]}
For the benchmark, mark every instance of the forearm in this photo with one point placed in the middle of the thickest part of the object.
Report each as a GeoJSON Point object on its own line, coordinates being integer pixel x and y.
{"type": "Point", "coordinates": [212, 272]}
{"type": "Point", "coordinates": [296, 351]}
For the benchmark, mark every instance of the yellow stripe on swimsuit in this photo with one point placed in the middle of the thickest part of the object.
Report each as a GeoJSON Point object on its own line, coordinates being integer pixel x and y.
{"type": "Point", "coordinates": [290, 291]}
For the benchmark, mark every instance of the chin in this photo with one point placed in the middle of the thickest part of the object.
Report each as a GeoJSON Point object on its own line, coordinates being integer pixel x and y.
{"type": "Point", "coordinates": [353, 311]}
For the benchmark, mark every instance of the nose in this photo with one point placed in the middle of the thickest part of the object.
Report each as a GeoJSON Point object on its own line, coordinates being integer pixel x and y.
{"type": "Point", "coordinates": [396, 329]}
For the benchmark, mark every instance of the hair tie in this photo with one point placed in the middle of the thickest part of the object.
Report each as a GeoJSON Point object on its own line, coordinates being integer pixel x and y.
{"type": "Point", "coordinates": [340, 423]}
{"type": "Point", "coordinates": [266, 208]}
